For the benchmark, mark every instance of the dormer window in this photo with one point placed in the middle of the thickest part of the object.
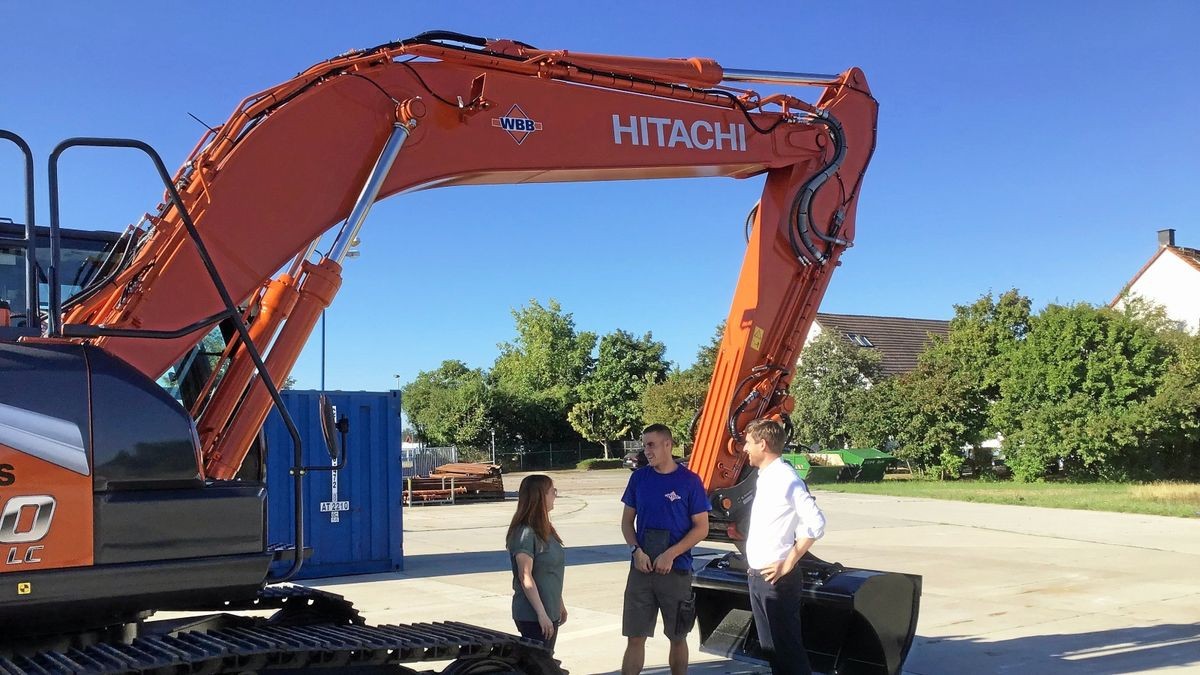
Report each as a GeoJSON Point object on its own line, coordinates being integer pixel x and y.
{"type": "Point", "coordinates": [860, 340]}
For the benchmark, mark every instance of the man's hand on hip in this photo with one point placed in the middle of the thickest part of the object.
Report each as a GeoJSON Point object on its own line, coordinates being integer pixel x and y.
{"type": "Point", "coordinates": [777, 570]}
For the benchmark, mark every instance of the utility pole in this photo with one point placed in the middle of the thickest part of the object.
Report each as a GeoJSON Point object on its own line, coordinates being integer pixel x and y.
{"type": "Point", "coordinates": [402, 420]}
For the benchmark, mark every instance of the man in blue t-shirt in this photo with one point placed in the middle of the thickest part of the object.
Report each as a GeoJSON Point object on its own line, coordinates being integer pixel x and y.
{"type": "Point", "coordinates": [666, 514]}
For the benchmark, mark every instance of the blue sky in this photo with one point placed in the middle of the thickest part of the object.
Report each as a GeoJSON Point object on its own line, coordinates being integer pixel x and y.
{"type": "Point", "coordinates": [1030, 144]}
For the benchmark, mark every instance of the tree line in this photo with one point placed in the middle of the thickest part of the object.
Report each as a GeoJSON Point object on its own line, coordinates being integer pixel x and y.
{"type": "Point", "coordinates": [1075, 391]}
{"type": "Point", "coordinates": [551, 383]}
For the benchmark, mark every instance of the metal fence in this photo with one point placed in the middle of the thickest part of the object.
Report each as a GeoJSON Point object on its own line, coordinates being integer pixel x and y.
{"type": "Point", "coordinates": [422, 461]}
{"type": "Point", "coordinates": [529, 457]}
{"type": "Point", "coordinates": [543, 456]}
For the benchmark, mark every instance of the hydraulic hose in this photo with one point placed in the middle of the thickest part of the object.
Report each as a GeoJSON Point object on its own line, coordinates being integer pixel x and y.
{"type": "Point", "coordinates": [801, 205]}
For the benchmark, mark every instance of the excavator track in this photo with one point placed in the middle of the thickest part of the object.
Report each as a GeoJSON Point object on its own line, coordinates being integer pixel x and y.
{"type": "Point", "coordinates": [311, 630]}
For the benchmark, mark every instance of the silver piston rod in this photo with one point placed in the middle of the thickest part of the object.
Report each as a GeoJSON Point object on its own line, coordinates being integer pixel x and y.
{"type": "Point", "coordinates": [778, 77]}
{"type": "Point", "coordinates": [370, 191]}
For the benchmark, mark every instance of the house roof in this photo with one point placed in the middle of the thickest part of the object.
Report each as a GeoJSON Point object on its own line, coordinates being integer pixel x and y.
{"type": "Point", "coordinates": [1190, 256]}
{"type": "Point", "coordinates": [898, 339]}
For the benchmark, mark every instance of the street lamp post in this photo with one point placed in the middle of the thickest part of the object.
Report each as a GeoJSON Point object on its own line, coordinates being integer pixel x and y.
{"type": "Point", "coordinates": [493, 446]}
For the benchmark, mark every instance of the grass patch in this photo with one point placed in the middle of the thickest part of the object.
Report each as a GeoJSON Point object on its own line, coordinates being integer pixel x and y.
{"type": "Point", "coordinates": [1159, 499]}
{"type": "Point", "coordinates": [599, 463]}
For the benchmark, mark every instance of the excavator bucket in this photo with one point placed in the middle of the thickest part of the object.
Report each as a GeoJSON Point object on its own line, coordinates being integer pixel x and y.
{"type": "Point", "coordinates": [854, 621]}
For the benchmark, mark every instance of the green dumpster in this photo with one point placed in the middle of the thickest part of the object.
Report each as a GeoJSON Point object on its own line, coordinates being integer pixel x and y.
{"type": "Point", "coordinates": [864, 464]}
{"type": "Point", "coordinates": [815, 468]}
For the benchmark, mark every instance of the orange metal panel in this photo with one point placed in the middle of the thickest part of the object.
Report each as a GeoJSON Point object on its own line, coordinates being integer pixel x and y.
{"type": "Point", "coordinates": [45, 514]}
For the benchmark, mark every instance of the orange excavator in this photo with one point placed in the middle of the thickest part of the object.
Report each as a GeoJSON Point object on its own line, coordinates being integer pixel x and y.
{"type": "Point", "coordinates": [120, 497]}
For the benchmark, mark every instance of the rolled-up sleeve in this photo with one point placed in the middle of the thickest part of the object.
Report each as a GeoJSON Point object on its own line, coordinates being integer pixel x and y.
{"type": "Point", "coordinates": [812, 521]}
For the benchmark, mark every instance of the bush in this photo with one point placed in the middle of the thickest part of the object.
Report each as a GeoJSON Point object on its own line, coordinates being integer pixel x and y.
{"type": "Point", "coordinates": [598, 463]}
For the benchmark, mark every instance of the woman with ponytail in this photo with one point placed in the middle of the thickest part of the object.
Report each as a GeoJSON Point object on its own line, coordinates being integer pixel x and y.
{"type": "Point", "coordinates": [537, 562]}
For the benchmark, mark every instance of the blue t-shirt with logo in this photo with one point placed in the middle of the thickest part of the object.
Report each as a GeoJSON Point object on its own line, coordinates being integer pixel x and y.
{"type": "Point", "coordinates": [665, 501]}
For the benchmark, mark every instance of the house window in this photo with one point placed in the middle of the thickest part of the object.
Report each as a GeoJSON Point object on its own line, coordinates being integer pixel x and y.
{"type": "Point", "coordinates": [860, 340]}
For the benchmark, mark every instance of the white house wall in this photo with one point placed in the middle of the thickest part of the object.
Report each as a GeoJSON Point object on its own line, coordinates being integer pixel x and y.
{"type": "Point", "coordinates": [814, 331]}
{"type": "Point", "coordinates": [1174, 284]}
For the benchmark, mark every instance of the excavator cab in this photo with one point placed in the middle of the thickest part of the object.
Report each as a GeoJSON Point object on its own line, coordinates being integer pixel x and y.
{"type": "Point", "coordinates": [83, 254]}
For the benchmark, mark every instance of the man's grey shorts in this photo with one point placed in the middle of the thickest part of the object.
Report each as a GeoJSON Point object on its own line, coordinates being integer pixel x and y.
{"type": "Point", "coordinates": [648, 595]}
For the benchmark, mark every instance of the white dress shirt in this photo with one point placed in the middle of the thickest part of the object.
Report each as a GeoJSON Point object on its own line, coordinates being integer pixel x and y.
{"type": "Point", "coordinates": [783, 512]}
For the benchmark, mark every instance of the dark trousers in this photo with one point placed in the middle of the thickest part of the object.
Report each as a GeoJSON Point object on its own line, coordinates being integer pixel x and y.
{"type": "Point", "coordinates": [776, 610]}
{"type": "Point", "coordinates": [533, 631]}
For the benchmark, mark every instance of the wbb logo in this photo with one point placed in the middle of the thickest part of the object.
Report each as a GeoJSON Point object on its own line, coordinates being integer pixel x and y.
{"type": "Point", "coordinates": [517, 124]}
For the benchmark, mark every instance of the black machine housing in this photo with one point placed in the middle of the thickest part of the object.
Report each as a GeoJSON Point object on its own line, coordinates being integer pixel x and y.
{"type": "Point", "coordinates": [163, 537]}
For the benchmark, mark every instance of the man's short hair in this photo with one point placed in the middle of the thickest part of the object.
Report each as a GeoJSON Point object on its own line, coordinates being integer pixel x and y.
{"type": "Point", "coordinates": [770, 432]}
{"type": "Point", "coordinates": [659, 429]}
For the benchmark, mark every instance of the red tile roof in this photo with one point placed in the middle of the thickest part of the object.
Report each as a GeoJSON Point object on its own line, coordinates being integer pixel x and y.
{"type": "Point", "coordinates": [1190, 255]}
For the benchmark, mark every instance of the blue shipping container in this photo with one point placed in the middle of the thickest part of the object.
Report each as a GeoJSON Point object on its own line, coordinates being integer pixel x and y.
{"type": "Point", "coordinates": [352, 516]}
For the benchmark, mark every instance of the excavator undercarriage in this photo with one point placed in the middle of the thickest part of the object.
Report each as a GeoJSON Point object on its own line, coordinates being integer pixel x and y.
{"type": "Point", "coordinates": [307, 630]}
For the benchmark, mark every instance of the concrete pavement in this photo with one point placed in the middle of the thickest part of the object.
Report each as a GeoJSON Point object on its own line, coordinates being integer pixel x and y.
{"type": "Point", "coordinates": [1007, 589]}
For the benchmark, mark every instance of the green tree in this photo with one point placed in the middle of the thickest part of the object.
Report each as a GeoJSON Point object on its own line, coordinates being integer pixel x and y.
{"type": "Point", "coordinates": [676, 400]}
{"type": "Point", "coordinates": [536, 376]}
{"type": "Point", "coordinates": [830, 376]}
{"type": "Point", "coordinates": [923, 417]}
{"type": "Point", "coordinates": [1174, 411]}
{"type": "Point", "coordinates": [1079, 393]}
{"type": "Point", "coordinates": [706, 357]}
{"type": "Point", "coordinates": [878, 418]}
{"type": "Point", "coordinates": [930, 415]}
{"type": "Point", "coordinates": [971, 359]}
{"type": "Point", "coordinates": [450, 405]}
{"type": "Point", "coordinates": [610, 397]}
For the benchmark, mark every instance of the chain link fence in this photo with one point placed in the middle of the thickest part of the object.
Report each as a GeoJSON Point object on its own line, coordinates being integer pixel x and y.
{"type": "Point", "coordinates": [422, 461]}
{"type": "Point", "coordinates": [546, 456]}
{"type": "Point", "coordinates": [528, 457]}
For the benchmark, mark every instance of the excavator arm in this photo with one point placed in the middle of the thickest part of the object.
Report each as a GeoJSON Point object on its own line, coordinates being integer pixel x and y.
{"type": "Point", "coordinates": [293, 161]}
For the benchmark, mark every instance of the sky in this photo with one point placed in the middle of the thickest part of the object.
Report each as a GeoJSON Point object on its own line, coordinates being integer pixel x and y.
{"type": "Point", "coordinates": [1021, 144]}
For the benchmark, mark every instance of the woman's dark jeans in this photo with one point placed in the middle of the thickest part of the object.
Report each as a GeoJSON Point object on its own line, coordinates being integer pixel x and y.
{"type": "Point", "coordinates": [533, 631]}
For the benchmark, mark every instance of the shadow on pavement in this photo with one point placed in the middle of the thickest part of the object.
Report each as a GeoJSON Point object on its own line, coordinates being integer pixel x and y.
{"type": "Point", "coordinates": [478, 562]}
{"type": "Point", "coordinates": [1125, 650]}
{"type": "Point", "coordinates": [1122, 650]}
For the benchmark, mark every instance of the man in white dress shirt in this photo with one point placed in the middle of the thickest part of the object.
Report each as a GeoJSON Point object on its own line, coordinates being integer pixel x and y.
{"type": "Point", "coordinates": [784, 523]}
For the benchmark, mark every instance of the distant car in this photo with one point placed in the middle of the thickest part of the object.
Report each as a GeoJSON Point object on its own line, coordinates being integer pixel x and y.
{"type": "Point", "coordinates": [637, 459]}
{"type": "Point", "coordinates": [1000, 469]}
